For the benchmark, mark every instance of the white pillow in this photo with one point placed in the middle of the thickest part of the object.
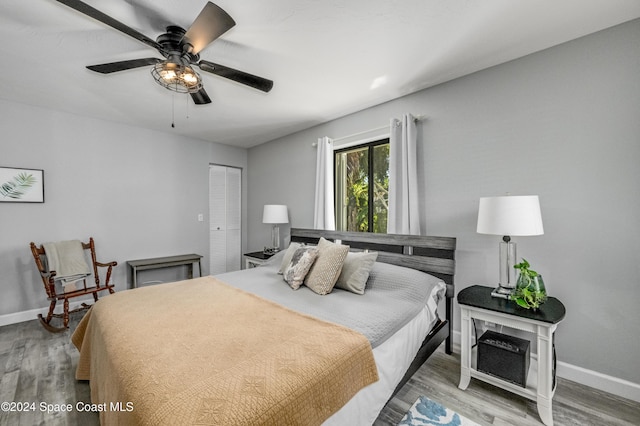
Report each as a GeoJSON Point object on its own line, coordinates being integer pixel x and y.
{"type": "Point", "coordinates": [355, 271]}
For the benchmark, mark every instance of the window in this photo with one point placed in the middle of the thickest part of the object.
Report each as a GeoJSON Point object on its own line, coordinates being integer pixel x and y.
{"type": "Point", "coordinates": [361, 180]}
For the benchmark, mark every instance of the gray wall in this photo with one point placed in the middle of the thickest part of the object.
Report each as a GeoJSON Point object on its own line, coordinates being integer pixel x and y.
{"type": "Point", "coordinates": [137, 192]}
{"type": "Point", "coordinates": [563, 124]}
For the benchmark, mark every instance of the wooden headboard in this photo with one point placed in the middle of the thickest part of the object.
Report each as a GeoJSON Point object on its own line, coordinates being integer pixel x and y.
{"type": "Point", "coordinates": [434, 255]}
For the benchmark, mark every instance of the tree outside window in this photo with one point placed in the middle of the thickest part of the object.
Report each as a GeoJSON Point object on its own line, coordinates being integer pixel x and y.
{"type": "Point", "coordinates": [362, 187]}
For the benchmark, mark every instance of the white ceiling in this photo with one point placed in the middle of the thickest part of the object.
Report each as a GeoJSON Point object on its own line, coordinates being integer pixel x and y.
{"type": "Point", "coordinates": [327, 58]}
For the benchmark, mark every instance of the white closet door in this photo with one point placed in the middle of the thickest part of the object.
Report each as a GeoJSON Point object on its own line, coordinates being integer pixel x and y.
{"type": "Point", "coordinates": [217, 198]}
{"type": "Point", "coordinates": [234, 218]}
{"type": "Point", "coordinates": [217, 252]}
{"type": "Point", "coordinates": [233, 250]}
{"type": "Point", "coordinates": [225, 219]}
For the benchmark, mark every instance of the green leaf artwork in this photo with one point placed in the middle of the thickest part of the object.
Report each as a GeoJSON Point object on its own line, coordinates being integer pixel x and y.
{"type": "Point", "coordinates": [18, 186]}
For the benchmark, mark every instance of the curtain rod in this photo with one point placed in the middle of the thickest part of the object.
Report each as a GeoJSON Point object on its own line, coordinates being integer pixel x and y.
{"type": "Point", "coordinates": [364, 132]}
{"type": "Point", "coordinates": [360, 133]}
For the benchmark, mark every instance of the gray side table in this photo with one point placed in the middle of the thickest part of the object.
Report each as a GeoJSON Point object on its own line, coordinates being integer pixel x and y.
{"type": "Point", "coordinates": [164, 262]}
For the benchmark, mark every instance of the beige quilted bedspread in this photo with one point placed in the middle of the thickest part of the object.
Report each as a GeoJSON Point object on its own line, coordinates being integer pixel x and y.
{"type": "Point", "coordinates": [200, 352]}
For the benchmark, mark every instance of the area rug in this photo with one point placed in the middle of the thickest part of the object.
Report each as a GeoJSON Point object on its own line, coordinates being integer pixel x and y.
{"type": "Point", "coordinates": [427, 412]}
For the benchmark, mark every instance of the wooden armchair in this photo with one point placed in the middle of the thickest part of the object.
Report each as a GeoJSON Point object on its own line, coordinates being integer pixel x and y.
{"type": "Point", "coordinates": [54, 295]}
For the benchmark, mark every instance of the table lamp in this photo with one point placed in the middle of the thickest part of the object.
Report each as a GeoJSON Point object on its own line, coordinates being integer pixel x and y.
{"type": "Point", "coordinates": [509, 216]}
{"type": "Point", "coordinates": [275, 214]}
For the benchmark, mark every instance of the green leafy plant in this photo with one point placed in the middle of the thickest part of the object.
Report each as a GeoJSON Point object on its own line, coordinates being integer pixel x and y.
{"type": "Point", "coordinates": [530, 292]}
{"type": "Point", "coordinates": [18, 186]}
{"type": "Point", "coordinates": [357, 185]}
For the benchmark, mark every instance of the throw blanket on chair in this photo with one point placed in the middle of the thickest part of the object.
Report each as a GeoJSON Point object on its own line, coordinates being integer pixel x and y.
{"type": "Point", "coordinates": [67, 259]}
{"type": "Point", "coordinates": [203, 352]}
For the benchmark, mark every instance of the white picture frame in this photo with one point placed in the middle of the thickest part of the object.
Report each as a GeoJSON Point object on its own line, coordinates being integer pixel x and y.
{"type": "Point", "coordinates": [21, 185]}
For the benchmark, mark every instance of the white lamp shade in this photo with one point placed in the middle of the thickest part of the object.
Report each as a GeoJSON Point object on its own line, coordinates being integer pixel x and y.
{"type": "Point", "coordinates": [510, 215]}
{"type": "Point", "coordinates": [275, 213]}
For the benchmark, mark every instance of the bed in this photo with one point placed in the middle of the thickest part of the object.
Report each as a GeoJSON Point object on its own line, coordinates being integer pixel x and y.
{"type": "Point", "coordinates": [243, 348]}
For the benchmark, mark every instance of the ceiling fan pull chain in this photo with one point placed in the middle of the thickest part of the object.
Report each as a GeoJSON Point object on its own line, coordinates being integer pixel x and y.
{"type": "Point", "coordinates": [173, 111]}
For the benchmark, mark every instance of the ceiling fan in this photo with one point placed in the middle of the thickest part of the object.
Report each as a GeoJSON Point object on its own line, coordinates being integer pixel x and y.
{"type": "Point", "coordinates": [181, 49]}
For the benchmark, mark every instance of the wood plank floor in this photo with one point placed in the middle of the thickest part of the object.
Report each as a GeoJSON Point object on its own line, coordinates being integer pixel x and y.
{"type": "Point", "coordinates": [38, 366]}
{"type": "Point", "coordinates": [573, 404]}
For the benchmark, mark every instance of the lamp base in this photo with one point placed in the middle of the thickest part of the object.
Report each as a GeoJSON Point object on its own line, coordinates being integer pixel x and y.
{"type": "Point", "coordinates": [275, 238]}
{"type": "Point", "coordinates": [502, 292]}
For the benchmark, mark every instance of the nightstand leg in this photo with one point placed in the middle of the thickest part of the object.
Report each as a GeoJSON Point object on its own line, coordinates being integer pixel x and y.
{"type": "Point", "coordinates": [545, 374]}
{"type": "Point", "coordinates": [465, 350]}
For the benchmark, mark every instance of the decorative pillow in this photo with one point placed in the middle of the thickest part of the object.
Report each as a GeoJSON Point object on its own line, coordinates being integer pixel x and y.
{"type": "Point", "coordinates": [287, 256]}
{"type": "Point", "coordinates": [325, 271]}
{"type": "Point", "coordinates": [355, 271]}
{"type": "Point", "coordinates": [301, 262]}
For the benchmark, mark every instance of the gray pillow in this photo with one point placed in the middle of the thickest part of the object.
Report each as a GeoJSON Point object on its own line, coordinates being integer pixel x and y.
{"type": "Point", "coordinates": [410, 283]}
{"type": "Point", "coordinates": [355, 271]}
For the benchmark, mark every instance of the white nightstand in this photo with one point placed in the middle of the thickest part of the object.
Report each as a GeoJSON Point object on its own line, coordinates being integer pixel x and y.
{"type": "Point", "coordinates": [251, 260]}
{"type": "Point", "coordinates": [476, 303]}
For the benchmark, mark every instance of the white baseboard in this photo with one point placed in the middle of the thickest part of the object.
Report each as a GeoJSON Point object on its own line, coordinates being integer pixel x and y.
{"type": "Point", "coordinates": [604, 382]}
{"type": "Point", "coordinates": [613, 385]}
{"type": "Point", "coordinates": [32, 314]}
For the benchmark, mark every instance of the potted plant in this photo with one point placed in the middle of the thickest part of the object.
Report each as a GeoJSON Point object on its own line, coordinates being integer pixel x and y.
{"type": "Point", "coordinates": [530, 292]}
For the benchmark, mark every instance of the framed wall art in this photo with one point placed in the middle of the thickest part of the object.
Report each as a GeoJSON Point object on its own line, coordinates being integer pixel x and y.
{"type": "Point", "coordinates": [21, 185]}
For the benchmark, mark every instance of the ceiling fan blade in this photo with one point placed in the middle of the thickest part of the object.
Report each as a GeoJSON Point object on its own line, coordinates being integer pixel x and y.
{"type": "Point", "coordinates": [96, 14]}
{"type": "Point", "coordinates": [200, 97]}
{"type": "Point", "coordinates": [123, 65]}
{"type": "Point", "coordinates": [210, 24]}
{"type": "Point", "coordinates": [236, 75]}
{"type": "Point", "coordinates": [155, 20]}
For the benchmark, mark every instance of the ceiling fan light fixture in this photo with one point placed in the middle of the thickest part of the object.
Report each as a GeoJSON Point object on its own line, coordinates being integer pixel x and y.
{"type": "Point", "coordinates": [168, 75]}
{"type": "Point", "coordinates": [176, 77]}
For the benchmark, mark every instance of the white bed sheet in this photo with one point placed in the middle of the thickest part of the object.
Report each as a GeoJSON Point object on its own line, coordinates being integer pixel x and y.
{"type": "Point", "coordinates": [392, 358]}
